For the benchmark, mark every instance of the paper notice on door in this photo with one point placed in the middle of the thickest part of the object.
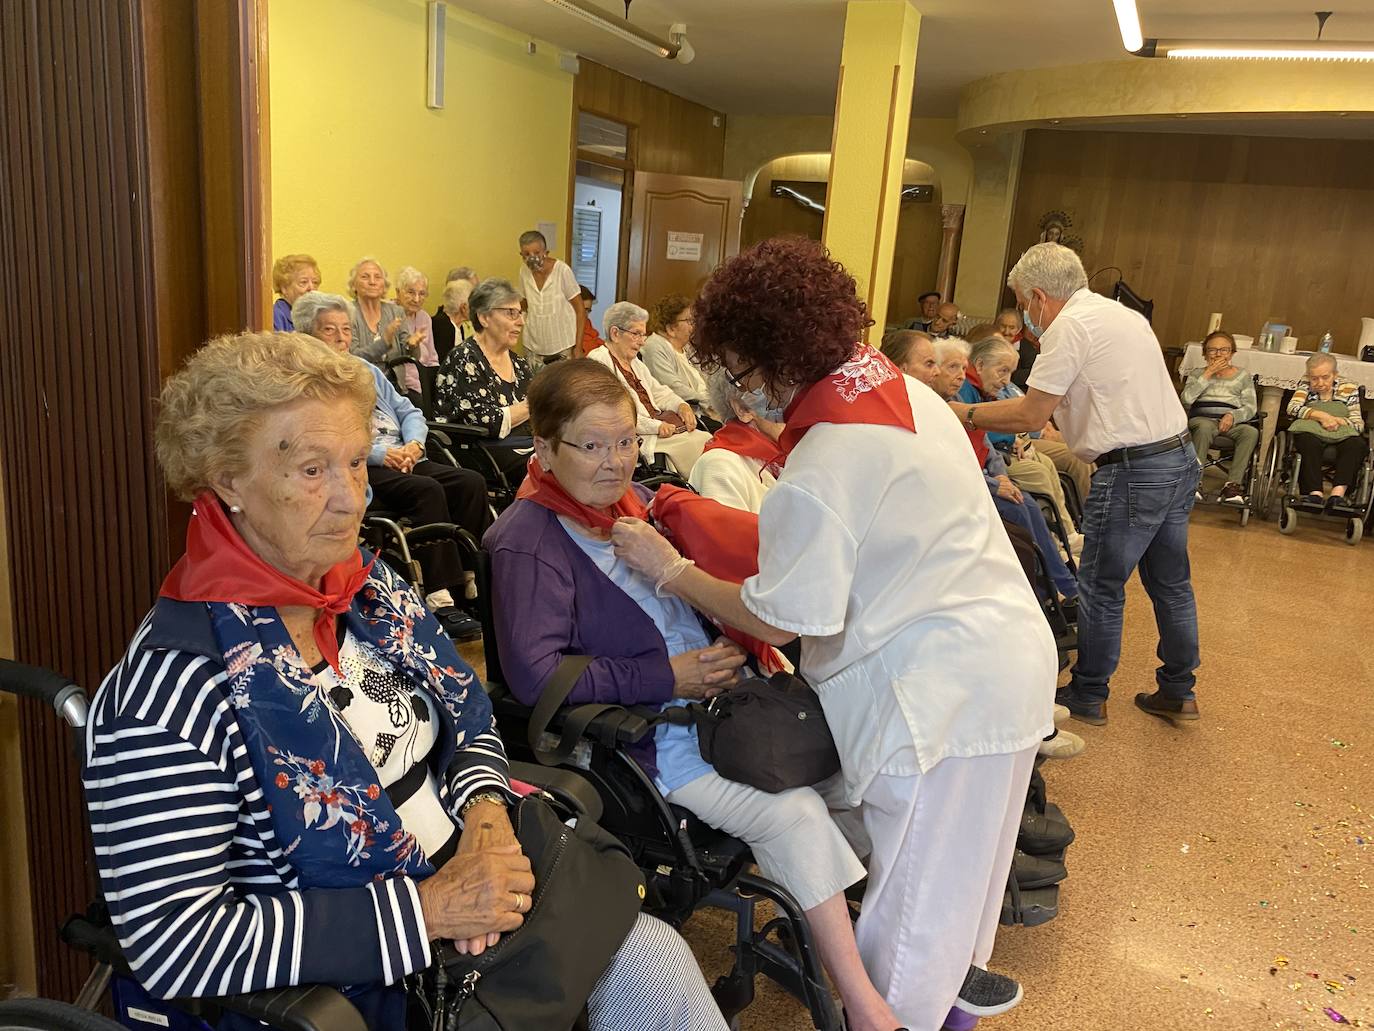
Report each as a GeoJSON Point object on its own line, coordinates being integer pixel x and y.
{"type": "Point", "coordinates": [685, 246]}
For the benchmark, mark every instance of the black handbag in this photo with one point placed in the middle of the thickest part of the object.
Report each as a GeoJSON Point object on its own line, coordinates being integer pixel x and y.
{"type": "Point", "coordinates": [770, 734]}
{"type": "Point", "coordinates": [587, 896]}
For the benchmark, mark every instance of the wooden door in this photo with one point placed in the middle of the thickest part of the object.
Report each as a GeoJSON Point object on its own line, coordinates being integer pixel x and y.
{"type": "Point", "coordinates": [681, 228]}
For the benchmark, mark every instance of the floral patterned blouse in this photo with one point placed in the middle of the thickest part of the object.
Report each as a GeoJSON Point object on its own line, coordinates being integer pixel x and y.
{"type": "Point", "coordinates": [468, 390]}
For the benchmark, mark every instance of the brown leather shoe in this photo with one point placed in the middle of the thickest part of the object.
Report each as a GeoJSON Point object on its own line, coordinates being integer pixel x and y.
{"type": "Point", "coordinates": [1172, 709]}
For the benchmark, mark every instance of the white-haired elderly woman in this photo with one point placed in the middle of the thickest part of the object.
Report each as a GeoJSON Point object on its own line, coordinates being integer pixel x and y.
{"type": "Point", "coordinates": [412, 290]}
{"type": "Point", "coordinates": [664, 420]}
{"type": "Point", "coordinates": [483, 381]}
{"type": "Point", "coordinates": [1326, 413]}
{"type": "Point", "coordinates": [241, 751]}
{"type": "Point", "coordinates": [402, 478]}
{"type": "Point", "coordinates": [447, 329]}
{"type": "Point", "coordinates": [742, 460]}
{"type": "Point", "coordinates": [379, 331]}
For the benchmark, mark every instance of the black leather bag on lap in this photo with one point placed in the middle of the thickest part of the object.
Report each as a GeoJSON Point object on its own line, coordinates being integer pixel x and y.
{"type": "Point", "coordinates": [587, 896]}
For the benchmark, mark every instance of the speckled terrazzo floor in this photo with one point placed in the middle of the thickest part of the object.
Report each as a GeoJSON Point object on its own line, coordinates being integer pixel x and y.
{"type": "Point", "coordinates": [1221, 876]}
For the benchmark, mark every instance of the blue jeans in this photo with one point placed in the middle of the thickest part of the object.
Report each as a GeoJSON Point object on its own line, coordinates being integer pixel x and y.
{"type": "Point", "coordinates": [1028, 516]}
{"type": "Point", "coordinates": [1137, 515]}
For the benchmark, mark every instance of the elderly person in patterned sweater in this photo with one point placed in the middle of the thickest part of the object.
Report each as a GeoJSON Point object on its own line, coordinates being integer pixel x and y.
{"type": "Point", "coordinates": [1327, 414]}
{"type": "Point", "coordinates": [239, 756]}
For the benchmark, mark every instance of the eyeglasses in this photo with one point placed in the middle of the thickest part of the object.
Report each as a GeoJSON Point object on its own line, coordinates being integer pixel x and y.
{"type": "Point", "coordinates": [1213, 352]}
{"type": "Point", "coordinates": [598, 450]}
{"type": "Point", "coordinates": [737, 378]}
{"type": "Point", "coordinates": [638, 334]}
{"type": "Point", "coordinates": [511, 313]}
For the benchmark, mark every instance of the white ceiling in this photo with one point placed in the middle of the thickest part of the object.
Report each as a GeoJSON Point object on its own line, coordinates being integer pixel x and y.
{"type": "Point", "coordinates": [782, 56]}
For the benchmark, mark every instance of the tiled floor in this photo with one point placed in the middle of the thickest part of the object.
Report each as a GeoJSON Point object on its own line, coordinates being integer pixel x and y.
{"type": "Point", "coordinates": [1221, 876]}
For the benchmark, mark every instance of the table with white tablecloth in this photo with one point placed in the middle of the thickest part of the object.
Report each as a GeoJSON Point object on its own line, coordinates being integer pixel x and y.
{"type": "Point", "coordinates": [1278, 372]}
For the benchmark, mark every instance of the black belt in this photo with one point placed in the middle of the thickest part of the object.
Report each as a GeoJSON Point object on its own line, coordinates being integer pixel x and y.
{"type": "Point", "coordinates": [1159, 447]}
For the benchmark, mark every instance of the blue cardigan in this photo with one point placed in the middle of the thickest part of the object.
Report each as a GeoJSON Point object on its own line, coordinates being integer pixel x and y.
{"type": "Point", "coordinates": [395, 407]}
{"type": "Point", "coordinates": [551, 600]}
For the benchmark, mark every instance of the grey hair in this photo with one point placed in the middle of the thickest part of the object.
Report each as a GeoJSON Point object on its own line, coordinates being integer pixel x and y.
{"type": "Point", "coordinates": [353, 275]}
{"type": "Point", "coordinates": [462, 272]}
{"type": "Point", "coordinates": [946, 347]}
{"type": "Point", "coordinates": [456, 294]}
{"type": "Point", "coordinates": [489, 294]}
{"type": "Point", "coordinates": [989, 348]}
{"type": "Point", "coordinates": [533, 236]}
{"type": "Point", "coordinates": [1050, 267]}
{"type": "Point", "coordinates": [306, 312]}
{"type": "Point", "coordinates": [408, 275]}
{"type": "Point", "coordinates": [621, 314]}
{"type": "Point", "coordinates": [1321, 358]}
{"type": "Point", "coordinates": [1011, 311]}
{"type": "Point", "coordinates": [720, 392]}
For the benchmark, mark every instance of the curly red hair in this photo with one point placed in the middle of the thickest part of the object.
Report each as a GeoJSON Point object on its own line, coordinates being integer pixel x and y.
{"type": "Point", "coordinates": [785, 307]}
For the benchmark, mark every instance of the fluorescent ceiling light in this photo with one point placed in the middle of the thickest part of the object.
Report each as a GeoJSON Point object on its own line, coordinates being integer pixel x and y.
{"type": "Point", "coordinates": [1128, 19]}
{"type": "Point", "coordinates": [1273, 51]}
{"type": "Point", "coordinates": [618, 27]}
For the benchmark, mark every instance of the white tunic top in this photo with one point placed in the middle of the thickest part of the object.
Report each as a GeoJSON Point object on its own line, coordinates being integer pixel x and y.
{"type": "Point", "coordinates": [884, 550]}
{"type": "Point", "coordinates": [673, 369]}
{"type": "Point", "coordinates": [1105, 361]}
{"type": "Point", "coordinates": [550, 323]}
{"type": "Point", "coordinates": [731, 479]}
{"type": "Point", "coordinates": [663, 398]}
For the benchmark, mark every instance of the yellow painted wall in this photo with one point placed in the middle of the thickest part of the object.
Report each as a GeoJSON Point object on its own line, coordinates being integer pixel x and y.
{"type": "Point", "coordinates": [360, 166]}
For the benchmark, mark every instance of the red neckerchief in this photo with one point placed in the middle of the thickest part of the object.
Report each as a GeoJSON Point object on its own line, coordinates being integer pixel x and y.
{"type": "Point", "coordinates": [971, 374]}
{"type": "Point", "coordinates": [218, 566]}
{"type": "Point", "coordinates": [723, 542]}
{"type": "Point", "coordinates": [544, 489]}
{"type": "Point", "coordinates": [746, 440]}
{"type": "Point", "coordinates": [978, 438]}
{"type": "Point", "coordinates": [867, 389]}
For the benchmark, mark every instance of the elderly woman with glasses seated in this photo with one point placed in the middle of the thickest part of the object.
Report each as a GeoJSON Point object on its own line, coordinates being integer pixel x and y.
{"type": "Point", "coordinates": [559, 589]}
{"type": "Point", "coordinates": [1220, 399]}
{"type": "Point", "coordinates": [663, 419]}
{"type": "Point", "coordinates": [484, 382]}
{"type": "Point", "coordinates": [743, 459]}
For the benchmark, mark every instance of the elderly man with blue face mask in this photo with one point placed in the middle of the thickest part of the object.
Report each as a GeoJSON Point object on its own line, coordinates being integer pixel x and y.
{"type": "Point", "coordinates": [1101, 374]}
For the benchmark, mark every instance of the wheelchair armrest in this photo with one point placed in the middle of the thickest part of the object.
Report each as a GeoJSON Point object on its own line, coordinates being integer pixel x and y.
{"type": "Point", "coordinates": [570, 789]}
{"type": "Point", "coordinates": [454, 430]}
{"type": "Point", "coordinates": [311, 1007]}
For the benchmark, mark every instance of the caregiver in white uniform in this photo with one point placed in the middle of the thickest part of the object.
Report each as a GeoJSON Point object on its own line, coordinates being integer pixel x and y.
{"type": "Point", "coordinates": [881, 548]}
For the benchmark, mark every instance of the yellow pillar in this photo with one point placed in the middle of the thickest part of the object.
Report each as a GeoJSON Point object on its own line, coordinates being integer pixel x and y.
{"type": "Point", "coordinates": [872, 112]}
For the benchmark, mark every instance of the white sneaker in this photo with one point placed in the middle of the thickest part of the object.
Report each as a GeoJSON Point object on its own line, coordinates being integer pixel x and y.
{"type": "Point", "coordinates": [1064, 745]}
{"type": "Point", "coordinates": [439, 600]}
{"type": "Point", "coordinates": [1061, 713]}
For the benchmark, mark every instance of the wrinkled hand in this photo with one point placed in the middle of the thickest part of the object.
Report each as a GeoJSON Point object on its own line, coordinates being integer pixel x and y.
{"type": "Point", "coordinates": [475, 894]}
{"type": "Point", "coordinates": [394, 327]}
{"type": "Point", "coordinates": [1226, 422]}
{"type": "Point", "coordinates": [1007, 489]}
{"type": "Point", "coordinates": [706, 672]}
{"type": "Point", "coordinates": [398, 458]}
{"type": "Point", "coordinates": [486, 827]}
{"type": "Point", "coordinates": [1326, 420]}
{"type": "Point", "coordinates": [689, 418]}
{"type": "Point", "coordinates": [418, 337]}
{"type": "Point", "coordinates": [642, 548]}
{"type": "Point", "coordinates": [666, 429]}
{"type": "Point", "coordinates": [1216, 367]}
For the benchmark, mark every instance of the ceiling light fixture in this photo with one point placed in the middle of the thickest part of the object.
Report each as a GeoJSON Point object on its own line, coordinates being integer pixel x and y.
{"type": "Point", "coordinates": [619, 27]}
{"type": "Point", "coordinates": [1258, 50]}
{"type": "Point", "coordinates": [1128, 20]}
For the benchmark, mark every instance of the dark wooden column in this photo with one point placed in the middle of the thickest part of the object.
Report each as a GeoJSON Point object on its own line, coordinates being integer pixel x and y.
{"type": "Point", "coordinates": [103, 212]}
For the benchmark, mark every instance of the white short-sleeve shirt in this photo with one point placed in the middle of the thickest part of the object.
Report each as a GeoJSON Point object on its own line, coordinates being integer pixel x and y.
{"type": "Point", "coordinates": [884, 551]}
{"type": "Point", "coordinates": [550, 323]}
{"type": "Point", "coordinates": [1105, 361]}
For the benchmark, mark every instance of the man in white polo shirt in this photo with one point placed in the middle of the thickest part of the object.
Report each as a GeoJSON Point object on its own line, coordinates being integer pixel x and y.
{"type": "Point", "coordinates": [1101, 374]}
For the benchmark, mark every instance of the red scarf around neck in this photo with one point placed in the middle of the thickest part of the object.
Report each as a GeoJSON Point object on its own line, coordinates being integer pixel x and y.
{"type": "Point", "coordinates": [219, 566]}
{"type": "Point", "coordinates": [978, 438]}
{"type": "Point", "coordinates": [867, 389]}
{"type": "Point", "coordinates": [746, 440]}
{"type": "Point", "coordinates": [544, 489]}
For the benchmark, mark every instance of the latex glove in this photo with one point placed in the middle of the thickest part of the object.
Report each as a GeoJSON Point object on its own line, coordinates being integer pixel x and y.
{"type": "Point", "coordinates": [643, 548]}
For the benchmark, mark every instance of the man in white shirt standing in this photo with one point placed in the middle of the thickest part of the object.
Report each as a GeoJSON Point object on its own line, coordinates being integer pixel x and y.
{"type": "Point", "coordinates": [1101, 374]}
{"type": "Point", "coordinates": [553, 324]}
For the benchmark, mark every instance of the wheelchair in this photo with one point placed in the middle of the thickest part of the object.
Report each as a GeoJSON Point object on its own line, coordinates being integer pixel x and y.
{"type": "Point", "coordinates": [300, 1008]}
{"type": "Point", "coordinates": [1283, 465]}
{"type": "Point", "coordinates": [687, 865]}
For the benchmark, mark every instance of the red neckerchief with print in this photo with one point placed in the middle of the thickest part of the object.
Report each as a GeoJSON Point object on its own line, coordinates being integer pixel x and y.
{"type": "Point", "coordinates": [868, 389]}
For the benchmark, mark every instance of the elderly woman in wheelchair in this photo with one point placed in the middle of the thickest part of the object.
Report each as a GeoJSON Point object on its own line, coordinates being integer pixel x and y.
{"type": "Point", "coordinates": [1326, 414]}
{"type": "Point", "coordinates": [559, 590]}
{"type": "Point", "coordinates": [292, 776]}
{"type": "Point", "coordinates": [1220, 399]}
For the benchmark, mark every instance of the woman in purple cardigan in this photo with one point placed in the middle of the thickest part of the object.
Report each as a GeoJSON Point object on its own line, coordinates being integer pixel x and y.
{"type": "Point", "coordinates": [559, 589]}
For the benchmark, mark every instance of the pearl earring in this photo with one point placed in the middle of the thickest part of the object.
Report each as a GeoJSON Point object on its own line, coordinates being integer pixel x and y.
{"type": "Point", "coordinates": [235, 509]}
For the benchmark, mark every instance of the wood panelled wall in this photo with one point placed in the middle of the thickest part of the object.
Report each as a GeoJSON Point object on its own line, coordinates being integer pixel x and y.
{"type": "Point", "coordinates": [916, 255]}
{"type": "Point", "coordinates": [1252, 227]}
{"type": "Point", "coordinates": [673, 135]}
{"type": "Point", "coordinates": [103, 213]}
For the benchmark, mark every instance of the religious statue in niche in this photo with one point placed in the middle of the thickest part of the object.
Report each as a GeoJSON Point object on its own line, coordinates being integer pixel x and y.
{"type": "Point", "coordinates": [1054, 228]}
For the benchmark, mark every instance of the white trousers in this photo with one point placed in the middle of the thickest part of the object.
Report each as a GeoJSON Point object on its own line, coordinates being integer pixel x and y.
{"type": "Point", "coordinates": [942, 847]}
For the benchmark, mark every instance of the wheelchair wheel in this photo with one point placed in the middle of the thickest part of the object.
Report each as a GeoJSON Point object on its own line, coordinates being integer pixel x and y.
{"type": "Point", "coordinates": [47, 1015]}
{"type": "Point", "coordinates": [1354, 531]}
{"type": "Point", "coordinates": [1288, 520]}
